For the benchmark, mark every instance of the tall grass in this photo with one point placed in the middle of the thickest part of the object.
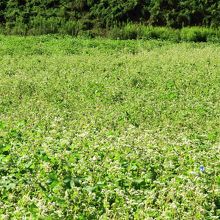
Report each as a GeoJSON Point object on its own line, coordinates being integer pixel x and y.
{"type": "Point", "coordinates": [190, 34]}
{"type": "Point", "coordinates": [129, 31]}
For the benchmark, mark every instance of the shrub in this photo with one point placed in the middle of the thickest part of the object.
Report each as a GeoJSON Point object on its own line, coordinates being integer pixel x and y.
{"type": "Point", "coordinates": [127, 32]}
{"type": "Point", "coordinates": [69, 27]}
{"type": "Point", "coordinates": [2, 29]}
{"type": "Point", "coordinates": [41, 25]}
{"type": "Point", "coordinates": [196, 34]}
{"type": "Point", "coordinates": [214, 35]}
{"type": "Point", "coordinates": [18, 27]}
{"type": "Point", "coordinates": [162, 33]}
{"type": "Point", "coordinates": [137, 31]}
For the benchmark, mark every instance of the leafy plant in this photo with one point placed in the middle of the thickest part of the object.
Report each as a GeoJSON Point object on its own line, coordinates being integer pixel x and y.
{"type": "Point", "coordinates": [108, 129]}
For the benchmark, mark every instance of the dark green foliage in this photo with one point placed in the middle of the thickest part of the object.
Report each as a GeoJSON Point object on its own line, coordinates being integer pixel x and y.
{"type": "Point", "coordinates": [193, 34]}
{"type": "Point", "coordinates": [65, 16]}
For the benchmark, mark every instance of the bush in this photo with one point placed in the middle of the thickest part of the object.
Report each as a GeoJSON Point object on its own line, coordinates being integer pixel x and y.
{"type": "Point", "coordinates": [17, 27]}
{"type": "Point", "coordinates": [197, 34]}
{"type": "Point", "coordinates": [70, 27]}
{"type": "Point", "coordinates": [162, 33]}
{"type": "Point", "coordinates": [214, 36]}
{"type": "Point", "coordinates": [130, 31]}
{"type": "Point", "coordinates": [137, 31]}
{"type": "Point", "coordinates": [127, 32]}
{"type": "Point", "coordinates": [40, 25]}
{"type": "Point", "coordinates": [1, 29]}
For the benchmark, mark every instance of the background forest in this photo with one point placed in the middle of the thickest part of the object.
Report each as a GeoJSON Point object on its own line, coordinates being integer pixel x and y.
{"type": "Point", "coordinates": [71, 17]}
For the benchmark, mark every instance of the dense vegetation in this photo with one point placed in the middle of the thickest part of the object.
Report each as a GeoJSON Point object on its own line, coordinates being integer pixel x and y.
{"type": "Point", "coordinates": [52, 16]}
{"type": "Point", "coordinates": [104, 129]}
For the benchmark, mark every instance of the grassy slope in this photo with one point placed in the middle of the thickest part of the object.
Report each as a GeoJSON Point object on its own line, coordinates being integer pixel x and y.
{"type": "Point", "coordinates": [110, 129]}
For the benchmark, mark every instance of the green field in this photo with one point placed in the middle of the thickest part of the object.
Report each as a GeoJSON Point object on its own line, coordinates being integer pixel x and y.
{"type": "Point", "coordinates": [107, 129]}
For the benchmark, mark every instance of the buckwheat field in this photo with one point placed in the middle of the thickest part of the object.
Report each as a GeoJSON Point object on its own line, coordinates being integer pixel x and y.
{"type": "Point", "coordinates": [107, 129]}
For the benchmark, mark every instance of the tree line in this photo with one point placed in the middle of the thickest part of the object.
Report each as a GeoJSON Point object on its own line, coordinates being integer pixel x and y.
{"type": "Point", "coordinates": [74, 15]}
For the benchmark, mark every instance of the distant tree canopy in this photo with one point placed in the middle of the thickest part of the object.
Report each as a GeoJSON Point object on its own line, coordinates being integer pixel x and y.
{"type": "Point", "coordinates": [90, 14]}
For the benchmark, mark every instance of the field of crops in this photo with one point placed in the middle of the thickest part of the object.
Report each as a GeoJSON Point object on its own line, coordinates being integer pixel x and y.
{"type": "Point", "coordinates": [107, 129]}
